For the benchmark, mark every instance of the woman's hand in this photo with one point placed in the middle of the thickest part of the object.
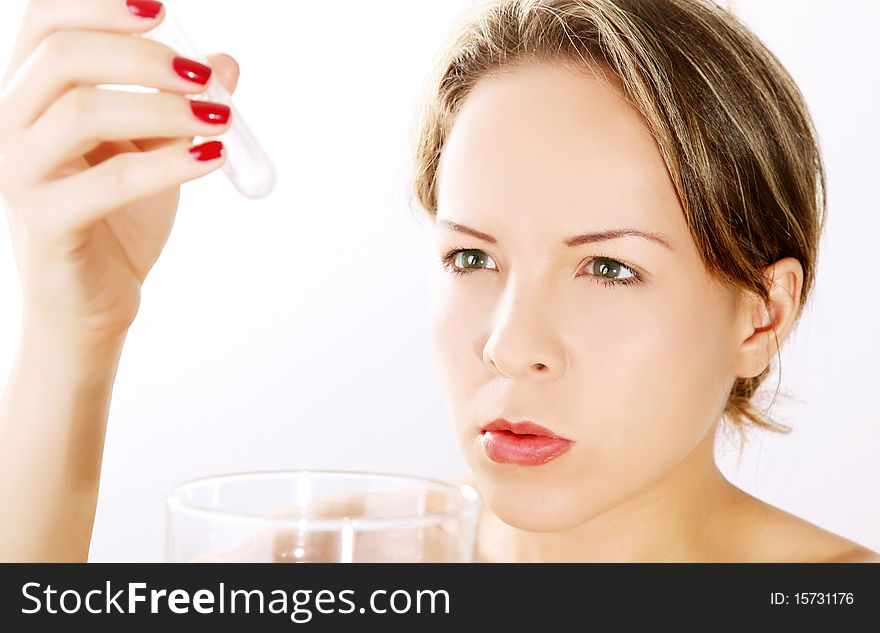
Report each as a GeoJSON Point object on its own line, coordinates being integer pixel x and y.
{"type": "Point", "coordinates": [90, 177]}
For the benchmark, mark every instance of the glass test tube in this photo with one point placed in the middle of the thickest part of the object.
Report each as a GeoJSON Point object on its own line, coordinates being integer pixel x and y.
{"type": "Point", "coordinates": [247, 166]}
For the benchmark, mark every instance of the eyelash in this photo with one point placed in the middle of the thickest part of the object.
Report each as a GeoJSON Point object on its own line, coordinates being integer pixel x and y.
{"type": "Point", "coordinates": [446, 261]}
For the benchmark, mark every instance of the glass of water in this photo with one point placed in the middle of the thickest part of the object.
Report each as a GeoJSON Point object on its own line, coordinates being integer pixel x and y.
{"type": "Point", "coordinates": [321, 516]}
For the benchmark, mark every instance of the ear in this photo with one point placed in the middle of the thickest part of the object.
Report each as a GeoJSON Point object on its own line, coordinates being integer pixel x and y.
{"type": "Point", "coordinates": [764, 327]}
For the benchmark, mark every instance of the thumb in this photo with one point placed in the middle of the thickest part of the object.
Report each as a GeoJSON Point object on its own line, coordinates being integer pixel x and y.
{"type": "Point", "coordinates": [226, 69]}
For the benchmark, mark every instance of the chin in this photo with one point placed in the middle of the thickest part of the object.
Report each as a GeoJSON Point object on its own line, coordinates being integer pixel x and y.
{"type": "Point", "coordinates": [535, 499]}
{"type": "Point", "coordinates": [545, 513]}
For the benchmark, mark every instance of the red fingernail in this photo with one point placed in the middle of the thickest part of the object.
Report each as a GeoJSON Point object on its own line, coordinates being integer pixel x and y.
{"type": "Point", "coordinates": [207, 151]}
{"type": "Point", "coordinates": [192, 70]}
{"type": "Point", "coordinates": [144, 8]}
{"type": "Point", "coordinates": [210, 112]}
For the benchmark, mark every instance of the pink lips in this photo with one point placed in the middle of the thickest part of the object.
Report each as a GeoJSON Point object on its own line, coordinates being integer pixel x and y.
{"type": "Point", "coordinates": [524, 443]}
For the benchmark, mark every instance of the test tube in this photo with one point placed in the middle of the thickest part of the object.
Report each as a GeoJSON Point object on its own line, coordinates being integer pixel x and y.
{"type": "Point", "coordinates": [247, 166]}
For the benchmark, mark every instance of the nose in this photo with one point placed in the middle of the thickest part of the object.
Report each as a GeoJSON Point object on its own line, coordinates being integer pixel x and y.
{"type": "Point", "coordinates": [524, 342]}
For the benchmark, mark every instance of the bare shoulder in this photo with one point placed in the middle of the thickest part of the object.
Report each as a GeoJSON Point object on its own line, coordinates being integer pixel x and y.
{"type": "Point", "coordinates": [856, 554]}
{"type": "Point", "coordinates": [781, 536]}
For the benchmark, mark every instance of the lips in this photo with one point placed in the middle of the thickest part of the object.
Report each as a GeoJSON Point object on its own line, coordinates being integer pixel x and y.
{"type": "Point", "coordinates": [525, 443]}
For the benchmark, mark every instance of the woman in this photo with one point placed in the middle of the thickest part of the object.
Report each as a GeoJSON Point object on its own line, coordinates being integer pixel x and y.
{"type": "Point", "coordinates": [627, 198]}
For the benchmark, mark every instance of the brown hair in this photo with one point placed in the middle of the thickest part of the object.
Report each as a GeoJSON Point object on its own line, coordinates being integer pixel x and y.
{"type": "Point", "coordinates": [730, 123]}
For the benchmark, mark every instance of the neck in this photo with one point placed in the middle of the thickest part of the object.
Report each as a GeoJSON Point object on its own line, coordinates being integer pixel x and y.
{"type": "Point", "coordinates": [689, 515]}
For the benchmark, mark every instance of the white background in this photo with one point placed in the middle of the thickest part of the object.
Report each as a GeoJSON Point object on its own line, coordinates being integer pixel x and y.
{"type": "Point", "coordinates": [291, 332]}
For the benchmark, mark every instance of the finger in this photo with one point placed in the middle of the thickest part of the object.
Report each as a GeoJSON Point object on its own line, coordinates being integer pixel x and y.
{"type": "Point", "coordinates": [111, 148]}
{"type": "Point", "coordinates": [43, 17]}
{"type": "Point", "coordinates": [226, 71]}
{"type": "Point", "coordinates": [71, 58]}
{"type": "Point", "coordinates": [76, 202]}
{"type": "Point", "coordinates": [86, 117]}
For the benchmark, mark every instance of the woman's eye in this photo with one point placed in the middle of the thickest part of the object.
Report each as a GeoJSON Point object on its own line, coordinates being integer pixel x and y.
{"type": "Point", "coordinates": [464, 261]}
{"type": "Point", "coordinates": [608, 268]}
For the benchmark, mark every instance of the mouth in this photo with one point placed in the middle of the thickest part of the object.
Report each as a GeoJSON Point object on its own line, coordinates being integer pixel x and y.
{"type": "Point", "coordinates": [525, 443]}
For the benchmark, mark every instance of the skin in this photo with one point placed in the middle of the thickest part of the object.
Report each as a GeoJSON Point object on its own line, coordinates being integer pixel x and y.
{"type": "Point", "coordinates": [91, 210]}
{"type": "Point", "coordinates": [637, 375]}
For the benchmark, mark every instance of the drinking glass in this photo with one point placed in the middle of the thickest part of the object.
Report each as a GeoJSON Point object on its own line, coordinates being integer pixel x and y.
{"type": "Point", "coordinates": [321, 516]}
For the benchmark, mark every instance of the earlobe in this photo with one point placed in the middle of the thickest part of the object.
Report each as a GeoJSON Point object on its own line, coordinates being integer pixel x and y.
{"type": "Point", "coordinates": [770, 323]}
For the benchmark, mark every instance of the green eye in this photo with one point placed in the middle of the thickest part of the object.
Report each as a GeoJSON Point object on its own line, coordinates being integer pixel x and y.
{"type": "Point", "coordinates": [473, 258]}
{"type": "Point", "coordinates": [607, 268]}
{"type": "Point", "coordinates": [465, 261]}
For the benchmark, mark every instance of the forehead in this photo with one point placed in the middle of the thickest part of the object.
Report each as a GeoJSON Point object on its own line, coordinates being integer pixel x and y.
{"type": "Point", "coordinates": [546, 141]}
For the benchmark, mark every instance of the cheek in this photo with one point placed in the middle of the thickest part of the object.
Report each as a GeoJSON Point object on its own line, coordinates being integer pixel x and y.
{"type": "Point", "coordinates": [458, 316]}
{"type": "Point", "coordinates": [448, 325]}
{"type": "Point", "coordinates": [651, 369]}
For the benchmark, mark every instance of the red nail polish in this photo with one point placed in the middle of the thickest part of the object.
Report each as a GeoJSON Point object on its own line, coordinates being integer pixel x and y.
{"type": "Point", "coordinates": [210, 112]}
{"type": "Point", "coordinates": [144, 8]}
{"type": "Point", "coordinates": [207, 151]}
{"type": "Point", "coordinates": [192, 70]}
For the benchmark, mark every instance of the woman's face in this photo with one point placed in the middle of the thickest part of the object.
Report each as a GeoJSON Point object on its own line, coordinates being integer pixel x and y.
{"type": "Point", "coordinates": [620, 342]}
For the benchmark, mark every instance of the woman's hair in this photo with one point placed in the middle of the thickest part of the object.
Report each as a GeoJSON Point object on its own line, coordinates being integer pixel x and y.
{"type": "Point", "coordinates": [730, 123]}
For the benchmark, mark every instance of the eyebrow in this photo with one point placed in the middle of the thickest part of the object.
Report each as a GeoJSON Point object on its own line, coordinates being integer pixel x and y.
{"type": "Point", "coordinates": [575, 240]}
